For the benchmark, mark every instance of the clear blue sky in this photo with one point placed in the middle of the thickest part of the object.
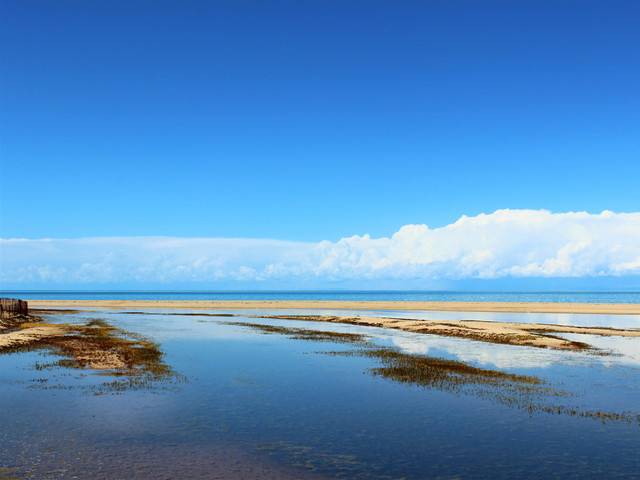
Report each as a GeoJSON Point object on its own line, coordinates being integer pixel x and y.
{"type": "Point", "coordinates": [312, 120]}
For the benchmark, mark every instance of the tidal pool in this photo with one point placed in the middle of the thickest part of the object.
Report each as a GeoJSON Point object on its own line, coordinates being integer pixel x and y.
{"type": "Point", "coordinates": [254, 398]}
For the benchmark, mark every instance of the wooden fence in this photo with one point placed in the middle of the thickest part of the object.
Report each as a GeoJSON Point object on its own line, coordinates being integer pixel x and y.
{"type": "Point", "coordinates": [13, 306]}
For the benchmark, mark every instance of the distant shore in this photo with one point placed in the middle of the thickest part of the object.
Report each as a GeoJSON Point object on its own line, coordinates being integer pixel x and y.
{"type": "Point", "coordinates": [510, 307]}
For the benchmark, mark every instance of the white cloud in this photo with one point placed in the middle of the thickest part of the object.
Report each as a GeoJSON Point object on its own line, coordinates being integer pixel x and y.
{"type": "Point", "coordinates": [517, 243]}
{"type": "Point", "coordinates": [506, 243]}
{"type": "Point", "coordinates": [143, 259]}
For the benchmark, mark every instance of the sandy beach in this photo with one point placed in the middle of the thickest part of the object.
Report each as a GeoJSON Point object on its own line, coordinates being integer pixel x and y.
{"type": "Point", "coordinates": [513, 307]}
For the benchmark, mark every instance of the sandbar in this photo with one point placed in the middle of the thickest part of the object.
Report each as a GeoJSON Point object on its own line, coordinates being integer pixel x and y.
{"type": "Point", "coordinates": [511, 333]}
{"type": "Point", "coordinates": [512, 307]}
{"type": "Point", "coordinates": [539, 335]}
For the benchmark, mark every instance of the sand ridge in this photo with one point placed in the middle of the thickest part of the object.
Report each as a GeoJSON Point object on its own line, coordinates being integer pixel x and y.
{"type": "Point", "coordinates": [512, 307]}
{"type": "Point", "coordinates": [510, 333]}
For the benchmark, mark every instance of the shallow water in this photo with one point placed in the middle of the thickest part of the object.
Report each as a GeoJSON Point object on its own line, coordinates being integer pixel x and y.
{"type": "Point", "coordinates": [245, 404]}
{"type": "Point", "coordinates": [572, 319]}
{"type": "Point", "coordinates": [345, 295]}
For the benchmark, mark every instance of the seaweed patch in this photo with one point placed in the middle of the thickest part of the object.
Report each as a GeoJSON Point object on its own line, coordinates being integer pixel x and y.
{"type": "Point", "coordinates": [135, 361]}
{"type": "Point", "coordinates": [524, 392]}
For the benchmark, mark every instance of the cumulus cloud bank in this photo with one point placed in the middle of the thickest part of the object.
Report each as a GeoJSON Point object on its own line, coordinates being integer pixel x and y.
{"type": "Point", "coordinates": [520, 243]}
{"type": "Point", "coordinates": [506, 243]}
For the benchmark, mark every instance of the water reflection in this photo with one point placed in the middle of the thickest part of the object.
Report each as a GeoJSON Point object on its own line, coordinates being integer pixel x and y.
{"type": "Point", "coordinates": [611, 351]}
{"type": "Point", "coordinates": [626, 351]}
{"type": "Point", "coordinates": [295, 404]}
{"type": "Point", "coordinates": [524, 392]}
{"type": "Point", "coordinates": [572, 319]}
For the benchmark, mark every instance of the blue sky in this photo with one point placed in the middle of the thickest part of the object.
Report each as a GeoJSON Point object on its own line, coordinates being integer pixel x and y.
{"type": "Point", "coordinates": [311, 121]}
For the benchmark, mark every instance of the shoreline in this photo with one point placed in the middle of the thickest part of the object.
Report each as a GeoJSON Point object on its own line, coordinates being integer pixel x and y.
{"type": "Point", "coordinates": [512, 333]}
{"type": "Point", "coordinates": [507, 307]}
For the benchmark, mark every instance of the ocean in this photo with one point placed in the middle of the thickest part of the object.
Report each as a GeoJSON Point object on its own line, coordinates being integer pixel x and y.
{"type": "Point", "coordinates": [347, 295]}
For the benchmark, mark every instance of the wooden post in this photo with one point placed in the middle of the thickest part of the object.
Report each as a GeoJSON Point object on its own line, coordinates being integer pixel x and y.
{"type": "Point", "coordinates": [12, 306]}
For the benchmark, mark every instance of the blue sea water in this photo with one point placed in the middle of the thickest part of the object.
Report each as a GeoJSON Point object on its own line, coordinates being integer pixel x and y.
{"type": "Point", "coordinates": [251, 405]}
{"type": "Point", "coordinates": [353, 295]}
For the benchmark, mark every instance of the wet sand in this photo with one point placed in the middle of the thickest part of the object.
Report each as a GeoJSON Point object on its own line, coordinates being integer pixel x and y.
{"type": "Point", "coordinates": [510, 333]}
{"type": "Point", "coordinates": [513, 307]}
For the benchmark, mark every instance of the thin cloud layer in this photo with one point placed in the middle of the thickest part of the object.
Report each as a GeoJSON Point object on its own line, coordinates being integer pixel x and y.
{"type": "Point", "coordinates": [506, 243]}
{"type": "Point", "coordinates": [145, 259]}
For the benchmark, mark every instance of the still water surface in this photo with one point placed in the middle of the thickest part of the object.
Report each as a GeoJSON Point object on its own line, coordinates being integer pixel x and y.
{"type": "Point", "coordinates": [245, 404]}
